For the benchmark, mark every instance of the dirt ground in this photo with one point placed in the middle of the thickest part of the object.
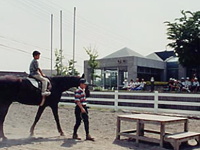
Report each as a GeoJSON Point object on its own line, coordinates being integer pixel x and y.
{"type": "Point", "coordinates": [102, 128]}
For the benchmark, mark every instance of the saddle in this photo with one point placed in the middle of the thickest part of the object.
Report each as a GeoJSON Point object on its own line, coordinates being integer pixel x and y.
{"type": "Point", "coordinates": [37, 83]}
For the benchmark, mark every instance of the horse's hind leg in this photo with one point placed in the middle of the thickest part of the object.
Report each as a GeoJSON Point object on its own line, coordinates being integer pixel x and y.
{"type": "Point", "coordinates": [37, 117]}
{"type": "Point", "coordinates": [3, 113]}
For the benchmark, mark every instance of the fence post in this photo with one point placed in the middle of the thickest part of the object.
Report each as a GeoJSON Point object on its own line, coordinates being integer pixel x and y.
{"type": "Point", "coordinates": [116, 100]}
{"type": "Point", "coordinates": [156, 102]}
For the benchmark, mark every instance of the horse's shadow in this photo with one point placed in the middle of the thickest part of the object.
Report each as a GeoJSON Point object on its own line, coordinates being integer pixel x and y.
{"type": "Point", "coordinates": [67, 142]}
{"type": "Point", "coordinates": [24, 141]}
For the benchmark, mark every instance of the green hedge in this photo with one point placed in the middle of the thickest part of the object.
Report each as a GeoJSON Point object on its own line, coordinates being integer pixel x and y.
{"type": "Point", "coordinates": [157, 83]}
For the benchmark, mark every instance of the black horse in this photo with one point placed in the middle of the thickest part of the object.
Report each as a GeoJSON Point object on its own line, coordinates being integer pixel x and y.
{"type": "Point", "coordinates": [15, 89]}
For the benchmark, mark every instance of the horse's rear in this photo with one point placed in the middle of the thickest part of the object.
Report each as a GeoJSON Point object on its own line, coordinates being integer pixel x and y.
{"type": "Point", "coordinates": [9, 88]}
{"type": "Point", "coordinates": [17, 89]}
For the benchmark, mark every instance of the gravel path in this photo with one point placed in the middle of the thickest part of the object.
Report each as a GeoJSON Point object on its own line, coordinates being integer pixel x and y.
{"type": "Point", "coordinates": [102, 128]}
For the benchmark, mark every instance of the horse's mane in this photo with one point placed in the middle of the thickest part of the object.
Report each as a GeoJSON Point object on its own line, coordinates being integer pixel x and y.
{"type": "Point", "coordinates": [10, 78]}
{"type": "Point", "coordinates": [61, 77]}
{"type": "Point", "coordinates": [65, 81]}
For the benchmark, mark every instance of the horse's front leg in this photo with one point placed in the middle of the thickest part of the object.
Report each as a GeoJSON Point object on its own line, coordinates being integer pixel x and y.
{"type": "Point", "coordinates": [54, 109]}
{"type": "Point", "coordinates": [37, 117]}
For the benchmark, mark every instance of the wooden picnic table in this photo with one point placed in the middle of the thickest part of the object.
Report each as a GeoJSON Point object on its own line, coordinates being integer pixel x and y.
{"type": "Point", "coordinates": [141, 119]}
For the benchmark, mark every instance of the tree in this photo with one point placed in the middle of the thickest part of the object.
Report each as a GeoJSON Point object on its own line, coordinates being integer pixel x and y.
{"type": "Point", "coordinates": [60, 68]}
{"type": "Point", "coordinates": [93, 54]}
{"type": "Point", "coordinates": [70, 68]}
{"type": "Point", "coordinates": [185, 34]}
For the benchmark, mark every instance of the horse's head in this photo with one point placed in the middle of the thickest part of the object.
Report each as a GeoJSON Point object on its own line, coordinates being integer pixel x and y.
{"type": "Point", "coordinates": [87, 91]}
{"type": "Point", "coordinates": [66, 82]}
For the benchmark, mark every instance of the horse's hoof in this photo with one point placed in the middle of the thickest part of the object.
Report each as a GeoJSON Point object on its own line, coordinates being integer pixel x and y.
{"type": "Point", "coordinates": [62, 134]}
{"type": "Point", "coordinates": [31, 134]}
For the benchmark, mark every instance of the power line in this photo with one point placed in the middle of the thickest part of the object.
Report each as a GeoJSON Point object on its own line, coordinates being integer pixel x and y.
{"type": "Point", "coordinates": [21, 42]}
{"type": "Point", "coordinates": [15, 3]}
{"type": "Point", "coordinates": [97, 27]}
{"type": "Point", "coordinates": [86, 34]}
{"type": "Point", "coordinates": [102, 42]}
{"type": "Point", "coordinates": [25, 52]}
{"type": "Point", "coordinates": [38, 8]}
{"type": "Point", "coordinates": [34, 46]}
{"type": "Point", "coordinates": [20, 50]}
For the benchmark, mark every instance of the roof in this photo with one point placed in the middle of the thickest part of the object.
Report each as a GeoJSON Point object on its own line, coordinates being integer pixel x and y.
{"type": "Point", "coordinates": [154, 56]}
{"type": "Point", "coordinates": [124, 52]}
{"type": "Point", "coordinates": [165, 54]}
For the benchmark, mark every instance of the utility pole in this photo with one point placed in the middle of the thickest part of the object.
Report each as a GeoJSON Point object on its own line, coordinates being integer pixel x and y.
{"type": "Point", "coordinates": [61, 39]}
{"type": "Point", "coordinates": [73, 71]}
{"type": "Point", "coordinates": [51, 41]}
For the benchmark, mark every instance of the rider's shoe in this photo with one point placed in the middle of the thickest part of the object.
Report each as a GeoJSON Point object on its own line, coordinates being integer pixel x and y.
{"type": "Point", "coordinates": [46, 93]}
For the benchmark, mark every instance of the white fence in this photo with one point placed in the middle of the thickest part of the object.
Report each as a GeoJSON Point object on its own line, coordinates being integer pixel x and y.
{"type": "Point", "coordinates": [152, 102]}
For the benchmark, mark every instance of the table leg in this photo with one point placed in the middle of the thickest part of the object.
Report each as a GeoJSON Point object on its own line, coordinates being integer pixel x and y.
{"type": "Point", "coordinates": [186, 126]}
{"type": "Point", "coordinates": [118, 128]}
{"type": "Point", "coordinates": [141, 129]}
{"type": "Point", "coordinates": [138, 131]}
{"type": "Point", "coordinates": [162, 134]}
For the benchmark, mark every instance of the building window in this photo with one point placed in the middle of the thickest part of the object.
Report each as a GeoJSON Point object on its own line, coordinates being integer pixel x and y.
{"type": "Point", "coordinates": [125, 75]}
{"type": "Point", "coordinates": [147, 73]}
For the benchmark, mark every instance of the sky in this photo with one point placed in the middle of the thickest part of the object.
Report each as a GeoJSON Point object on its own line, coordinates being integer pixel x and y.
{"type": "Point", "coordinates": [104, 25]}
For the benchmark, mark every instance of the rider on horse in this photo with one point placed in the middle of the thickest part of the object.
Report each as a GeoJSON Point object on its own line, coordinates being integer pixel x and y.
{"type": "Point", "coordinates": [36, 72]}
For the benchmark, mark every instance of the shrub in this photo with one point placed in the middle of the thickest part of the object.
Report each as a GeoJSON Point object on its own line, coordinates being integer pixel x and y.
{"type": "Point", "coordinates": [161, 83]}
